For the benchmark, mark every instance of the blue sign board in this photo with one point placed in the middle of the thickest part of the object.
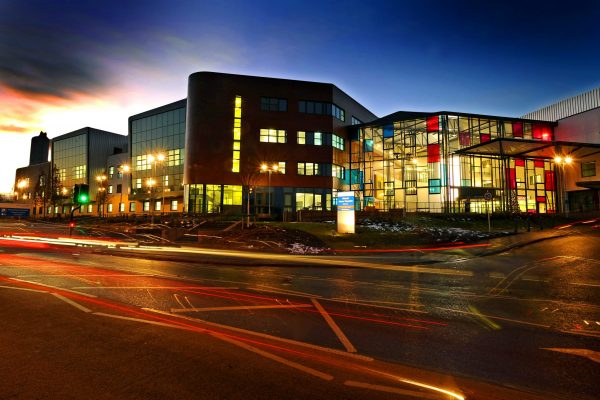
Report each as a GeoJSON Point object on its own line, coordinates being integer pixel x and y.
{"type": "Point", "coordinates": [345, 201]}
{"type": "Point", "coordinates": [14, 212]}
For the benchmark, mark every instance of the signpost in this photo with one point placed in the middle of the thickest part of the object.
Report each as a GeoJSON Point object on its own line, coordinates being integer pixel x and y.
{"type": "Point", "coordinates": [488, 197]}
{"type": "Point", "coordinates": [345, 212]}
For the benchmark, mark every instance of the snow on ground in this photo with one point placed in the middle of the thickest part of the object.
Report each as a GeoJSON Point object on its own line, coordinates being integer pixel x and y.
{"type": "Point", "coordinates": [299, 248]}
{"type": "Point", "coordinates": [446, 234]}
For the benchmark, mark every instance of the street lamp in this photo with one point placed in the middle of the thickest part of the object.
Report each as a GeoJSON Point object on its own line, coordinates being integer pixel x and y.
{"type": "Point", "coordinates": [561, 161]}
{"type": "Point", "coordinates": [101, 198]}
{"type": "Point", "coordinates": [269, 169]}
{"type": "Point", "coordinates": [154, 159]}
{"type": "Point", "coordinates": [123, 169]}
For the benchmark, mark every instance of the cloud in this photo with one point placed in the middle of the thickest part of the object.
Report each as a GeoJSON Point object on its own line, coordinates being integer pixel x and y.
{"type": "Point", "coordinates": [13, 129]}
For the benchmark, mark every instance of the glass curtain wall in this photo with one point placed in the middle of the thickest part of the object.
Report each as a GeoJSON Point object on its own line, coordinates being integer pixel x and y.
{"type": "Point", "coordinates": [413, 165]}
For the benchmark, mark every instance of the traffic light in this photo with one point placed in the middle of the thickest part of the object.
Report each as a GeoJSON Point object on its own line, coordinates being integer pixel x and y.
{"type": "Point", "coordinates": [81, 194]}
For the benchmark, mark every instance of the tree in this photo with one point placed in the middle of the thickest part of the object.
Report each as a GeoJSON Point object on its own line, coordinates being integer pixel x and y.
{"type": "Point", "coordinates": [58, 193]}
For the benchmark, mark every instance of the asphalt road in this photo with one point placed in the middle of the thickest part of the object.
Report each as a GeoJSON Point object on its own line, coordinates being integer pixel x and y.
{"type": "Point", "coordinates": [528, 319]}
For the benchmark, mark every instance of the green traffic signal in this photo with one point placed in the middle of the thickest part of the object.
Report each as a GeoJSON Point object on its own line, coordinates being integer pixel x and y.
{"type": "Point", "coordinates": [81, 193]}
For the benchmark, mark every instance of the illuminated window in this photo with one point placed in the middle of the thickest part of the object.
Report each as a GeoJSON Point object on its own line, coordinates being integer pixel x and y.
{"type": "Point", "coordinates": [111, 172]}
{"type": "Point", "coordinates": [308, 168]}
{"type": "Point", "coordinates": [301, 137]}
{"type": "Point", "coordinates": [337, 171]}
{"type": "Point", "coordinates": [174, 205]}
{"type": "Point", "coordinates": [132, 207]}
{"type": "Point", "coordinates": [273, 136]}
{"type": "Point", "coordinates": [232, 195]}
{"type": "Point", "coordinates": [318, 139]}
{"type": "Point", "coordinates": [237, 134]}
{"type": "Point", "coordinates": [121, 207]}
{"type": "Point", "coordinates": [109, 207]}
{"type": "Point", "coordinates": [356, 121]}
{"type": "Point", "coordinates": [337, 142]}
{"type": "Point", "coordinates": [110, 189]}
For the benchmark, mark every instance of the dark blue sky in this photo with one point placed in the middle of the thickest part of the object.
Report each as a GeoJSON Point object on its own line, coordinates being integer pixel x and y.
{"type": "Point", "coordinates": [68, 64]}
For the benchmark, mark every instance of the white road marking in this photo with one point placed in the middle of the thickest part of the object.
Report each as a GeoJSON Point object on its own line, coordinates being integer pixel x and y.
{"type": "Point", "coordinates": [274, 357]}
{"type": "Point", "coordinates": [334, 327]}
{"type": "Point", "coordinates": [189, 302]}
{"type": "Point", "coordinates": [54, 287]}
{"type": "Point", "coordinates": [25, 289]}
{"type": "Point", "coordinates": [265, 336]}
{"type": "Point", "coordinates": [234, 308]}
{"type": "Point", "coordinates": [71, 302]}
{"type": "Point", "coordinates": [590, 354]}
{"type": "Point", "coordinates": [494, 317]}
{"type": "Point", "coordinates": [584, 284]}
{"type": "Point", "coordinates": [390, 389]}
{"type": "Point", "coordinates": [147, 321]}
{"type": "Point", "coordinates": [179, 302]}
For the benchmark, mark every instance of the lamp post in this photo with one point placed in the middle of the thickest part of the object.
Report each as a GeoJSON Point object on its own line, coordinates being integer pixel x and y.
{"type": "Point", "coordinates": [151, 182]}
{"type": "Point", "coordinates": [269, 169]}
{"type": "Point", "coordinates": [154, 159]}
{"type": "Point", "coordinates": [101, 192]}
{"type": "Point", "coordinates": [561, 161]}
{"type": "Point", "coordinates": [123, 169]}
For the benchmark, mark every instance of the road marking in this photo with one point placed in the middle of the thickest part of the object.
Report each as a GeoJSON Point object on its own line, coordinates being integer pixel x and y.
{"type": "Point", "coordinates": [584, 284]}
{"type": "Point", "coordinates": [334, 327]}
{"type": "Point", "coordinates": [390, 389]}
{"type": "Point", "coordinates": [178, 301]}
{"type": "Point", "coordinates": [155, 287]}
{"type": "Point", "coordinates": [188, 301]}
{"type": "Point", "coordinates": [147, 321]}
{"type": "Point", "coordinates": [25, 289]}
{"type": "Point", "coordinates": [590, 354]}
{"type": "Point", "coordinates": [265, 336]}
{"type": "Point", "coordinates": [234, 308]}
{"type": "Point", "coordinates": [71, 302]}
{"type": "Point", "coordinates": [494, 317]}
{"type": "Point", "coordinates": [54, 287]}
{"type": "Point", "coordinates": [274, 357]}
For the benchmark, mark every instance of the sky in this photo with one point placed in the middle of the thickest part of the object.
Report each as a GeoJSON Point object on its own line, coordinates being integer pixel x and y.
{"type": "Point", "coordinates": [65, 65]}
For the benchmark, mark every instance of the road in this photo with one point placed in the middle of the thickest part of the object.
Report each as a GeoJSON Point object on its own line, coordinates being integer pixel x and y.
{"type": "Point", "coordinates": [528, 319]}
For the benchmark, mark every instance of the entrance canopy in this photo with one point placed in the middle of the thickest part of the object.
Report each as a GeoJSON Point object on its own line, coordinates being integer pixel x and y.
{"type": "Point", "coordinates": [509, 147]}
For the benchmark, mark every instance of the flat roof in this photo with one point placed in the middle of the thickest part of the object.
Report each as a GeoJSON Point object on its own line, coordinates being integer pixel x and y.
{"type": "Point", "coordinates": [512, 147]}
{"type": "Point", "coordinates": [405, 115]}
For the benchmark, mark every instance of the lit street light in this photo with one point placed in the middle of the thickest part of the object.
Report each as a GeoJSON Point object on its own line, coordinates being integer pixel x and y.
{"type": "Point", "coordinates": [123, 169]}
{"type": "Point", "coordinates": [151, 182]}
{"type": "Point", "coordinates": [269, 169]}
{"type": "Point", "coordinates": [561, 162]}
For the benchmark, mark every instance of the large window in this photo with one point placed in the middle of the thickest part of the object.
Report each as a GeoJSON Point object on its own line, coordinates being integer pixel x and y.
{"type": "Point", "coordinates": [309, 168]}
{"type": "Point", "coordinates": [273, 136]}
{"type": "Point", "coordinates": [337, 142]}
{"type": "Point", "coordinates": [321, 108]}
{"type": "Point", "coordinates": [161, 133]}
{"type": "Point", "coordinates": [273, 104]}
{"type": "Point", "coordinates": [588, 169]}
